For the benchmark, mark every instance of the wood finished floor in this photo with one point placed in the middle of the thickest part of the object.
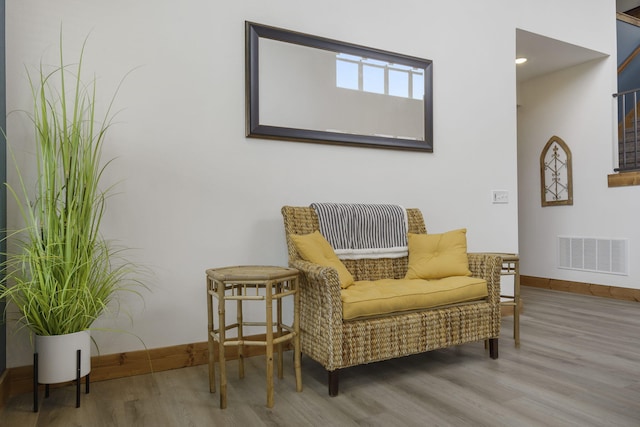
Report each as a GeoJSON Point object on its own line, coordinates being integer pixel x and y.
{"type": "Point", "coordinates": [578, 365]}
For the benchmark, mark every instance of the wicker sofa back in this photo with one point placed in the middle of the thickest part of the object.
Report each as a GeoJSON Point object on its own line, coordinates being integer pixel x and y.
{"type": "Point", "coordinates": [336, 343]}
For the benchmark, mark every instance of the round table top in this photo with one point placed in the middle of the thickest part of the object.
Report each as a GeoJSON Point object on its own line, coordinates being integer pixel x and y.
{"type": "Point", "coordinates": [251, 272]}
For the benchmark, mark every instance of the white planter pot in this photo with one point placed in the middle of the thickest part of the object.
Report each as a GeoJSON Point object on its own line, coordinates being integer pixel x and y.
{"type": "Point", "coordinates": [57, 356]}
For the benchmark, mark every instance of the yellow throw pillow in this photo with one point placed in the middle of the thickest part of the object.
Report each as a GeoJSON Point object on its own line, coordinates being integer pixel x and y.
{"type": "Point", "coordinates": [436, 256]}
{"type": "Point", "coordinates": [316, 249]}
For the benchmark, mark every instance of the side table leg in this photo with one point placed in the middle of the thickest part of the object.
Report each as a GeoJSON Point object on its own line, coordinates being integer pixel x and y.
{"type": "Point", "coordinates": [516, 324]}
{"type": "Point", "coordinates": [221, 340]}
{"type": "Point", "coordinates": [280, 330]}
{"type": "Point", "coordinates": [269, 349]}
{"type": "Point", "coordinates": [516, 305]}
{"type": "Point", "coordinates": [240, 338]}
{"type": "Point", "coordinates": [296, 338]}
{"type": "Point", "coordinates": [210, 346]}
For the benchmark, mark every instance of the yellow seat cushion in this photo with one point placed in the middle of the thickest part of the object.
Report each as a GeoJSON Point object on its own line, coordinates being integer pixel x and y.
{"type": "Point", "coordinates": [372, 298]}
{"type": "Point", "coordinates": [435, 256]}
{"type": "Point", "coordinates": [315, 248]}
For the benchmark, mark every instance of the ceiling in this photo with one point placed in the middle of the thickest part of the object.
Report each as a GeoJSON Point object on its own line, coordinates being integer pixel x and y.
{"type": "Point", "coordinates": [546, 55]}
{"type": "Point", "coordinates": [626, 5]}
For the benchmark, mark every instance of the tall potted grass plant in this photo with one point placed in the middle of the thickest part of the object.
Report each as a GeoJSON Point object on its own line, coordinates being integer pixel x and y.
{"type": "Point", "coordinates": [64, 274]}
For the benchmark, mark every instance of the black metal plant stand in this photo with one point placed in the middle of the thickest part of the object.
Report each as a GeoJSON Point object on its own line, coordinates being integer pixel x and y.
{"type": "Point", "coordinates": [46, 386]}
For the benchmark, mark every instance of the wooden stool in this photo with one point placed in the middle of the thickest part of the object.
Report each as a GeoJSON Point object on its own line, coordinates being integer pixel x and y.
{"type": "Point", "coordinates": [511, 267]}
{"type": "Point", "coordinates": [243, 283]}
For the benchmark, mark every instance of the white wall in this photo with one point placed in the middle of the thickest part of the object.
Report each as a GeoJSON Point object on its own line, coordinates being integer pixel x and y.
{"type": "Point", "coordinates": [576, 105]}
{"type": "Point", "coordinates": [567, 104]}
{"type": "Point", "coordinates": [587, 23]}
{"type": "Point", "coordinates": [196, 193]}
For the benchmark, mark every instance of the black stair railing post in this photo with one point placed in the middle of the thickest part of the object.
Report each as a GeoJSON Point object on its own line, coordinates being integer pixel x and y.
{"type": "Point", "coordinates": [629, 141]}
{"type": "Point", "coordinates": [635, 141]}
{"type": "Point", "coordinates": [624, 131]}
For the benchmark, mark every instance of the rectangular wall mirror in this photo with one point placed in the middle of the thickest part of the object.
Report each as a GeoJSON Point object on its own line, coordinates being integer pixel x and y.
{"type": "Point", "coordinates": [306, 88]}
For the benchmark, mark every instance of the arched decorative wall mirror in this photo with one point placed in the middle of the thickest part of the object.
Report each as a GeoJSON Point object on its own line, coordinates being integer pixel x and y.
{"type": "Point", "coordinates": [556, 173]}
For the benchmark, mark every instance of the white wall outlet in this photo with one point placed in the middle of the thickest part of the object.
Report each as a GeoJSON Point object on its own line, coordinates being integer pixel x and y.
{"type": "Point", "coordinates": [500, 196]}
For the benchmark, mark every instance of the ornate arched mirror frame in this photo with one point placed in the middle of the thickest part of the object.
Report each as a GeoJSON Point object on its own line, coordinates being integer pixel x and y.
{"type": "Point", "coordinates": [556, 173]}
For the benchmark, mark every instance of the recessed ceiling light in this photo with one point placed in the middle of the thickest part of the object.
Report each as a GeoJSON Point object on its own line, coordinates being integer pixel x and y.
{"type": "Point", "coordinates": [521, 60]}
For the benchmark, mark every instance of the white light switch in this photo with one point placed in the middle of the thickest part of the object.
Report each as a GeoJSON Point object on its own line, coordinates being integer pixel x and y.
{"type": "Point", "coordinates": [500, 196]}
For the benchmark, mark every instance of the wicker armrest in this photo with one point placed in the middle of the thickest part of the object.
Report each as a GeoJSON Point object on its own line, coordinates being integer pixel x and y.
{"type": "Point", "coordinates": [320, 312]}
{"type": "Point", "coordinates": [322, 283]}
{"type": "Point", "coordinates": [488, 267]}
{"type": "Point", "coordinates": [313, 271]}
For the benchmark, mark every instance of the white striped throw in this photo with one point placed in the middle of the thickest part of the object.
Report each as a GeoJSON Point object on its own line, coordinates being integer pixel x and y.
{"type": "Point", "coordinates": [357, 231]}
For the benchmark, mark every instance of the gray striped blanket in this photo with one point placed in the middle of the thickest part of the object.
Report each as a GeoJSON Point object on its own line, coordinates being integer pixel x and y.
{"type": "Point", "coordinates": [358, 231]}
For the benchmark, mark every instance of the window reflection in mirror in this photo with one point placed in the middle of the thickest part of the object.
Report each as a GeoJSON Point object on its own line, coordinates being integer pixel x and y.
{"type": "Point", "coordinates": [371, 75]}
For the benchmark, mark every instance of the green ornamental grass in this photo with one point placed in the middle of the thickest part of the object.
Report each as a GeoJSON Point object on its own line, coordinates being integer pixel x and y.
{"type": "Point", "coordinates": [64, 274]}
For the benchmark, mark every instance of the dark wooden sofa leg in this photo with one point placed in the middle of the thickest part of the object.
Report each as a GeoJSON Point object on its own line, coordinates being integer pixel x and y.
{"type": "Point", "coordinates": [333, 383]}
{"type": "Point", "coordinates": [493, 348]}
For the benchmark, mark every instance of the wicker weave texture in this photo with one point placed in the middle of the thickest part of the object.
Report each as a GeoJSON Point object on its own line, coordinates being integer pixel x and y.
{"type": "Point", "coordinates": [337, 344]}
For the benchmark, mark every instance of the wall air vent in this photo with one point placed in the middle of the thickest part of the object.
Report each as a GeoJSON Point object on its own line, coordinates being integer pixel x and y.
{"type": "Point", "coordinates": [594, 254]}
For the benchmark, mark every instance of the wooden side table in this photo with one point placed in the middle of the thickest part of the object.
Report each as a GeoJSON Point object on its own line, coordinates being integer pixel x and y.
{"type": "Point", "coordinates": [511, 267]}
{"type": "Point", "coordinates": [243, 283]}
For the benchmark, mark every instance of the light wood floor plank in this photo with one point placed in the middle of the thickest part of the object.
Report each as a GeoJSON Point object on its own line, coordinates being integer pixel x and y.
{"type": "Point", "coordinates": [578, 365]}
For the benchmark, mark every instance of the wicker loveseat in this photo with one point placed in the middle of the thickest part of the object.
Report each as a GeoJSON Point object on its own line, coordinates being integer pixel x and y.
{"type": "Point", "coordinates": [337, 343]}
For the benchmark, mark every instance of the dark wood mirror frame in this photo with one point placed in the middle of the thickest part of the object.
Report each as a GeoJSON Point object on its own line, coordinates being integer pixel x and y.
{"type": "Point", "coordinates": [256, 128]}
